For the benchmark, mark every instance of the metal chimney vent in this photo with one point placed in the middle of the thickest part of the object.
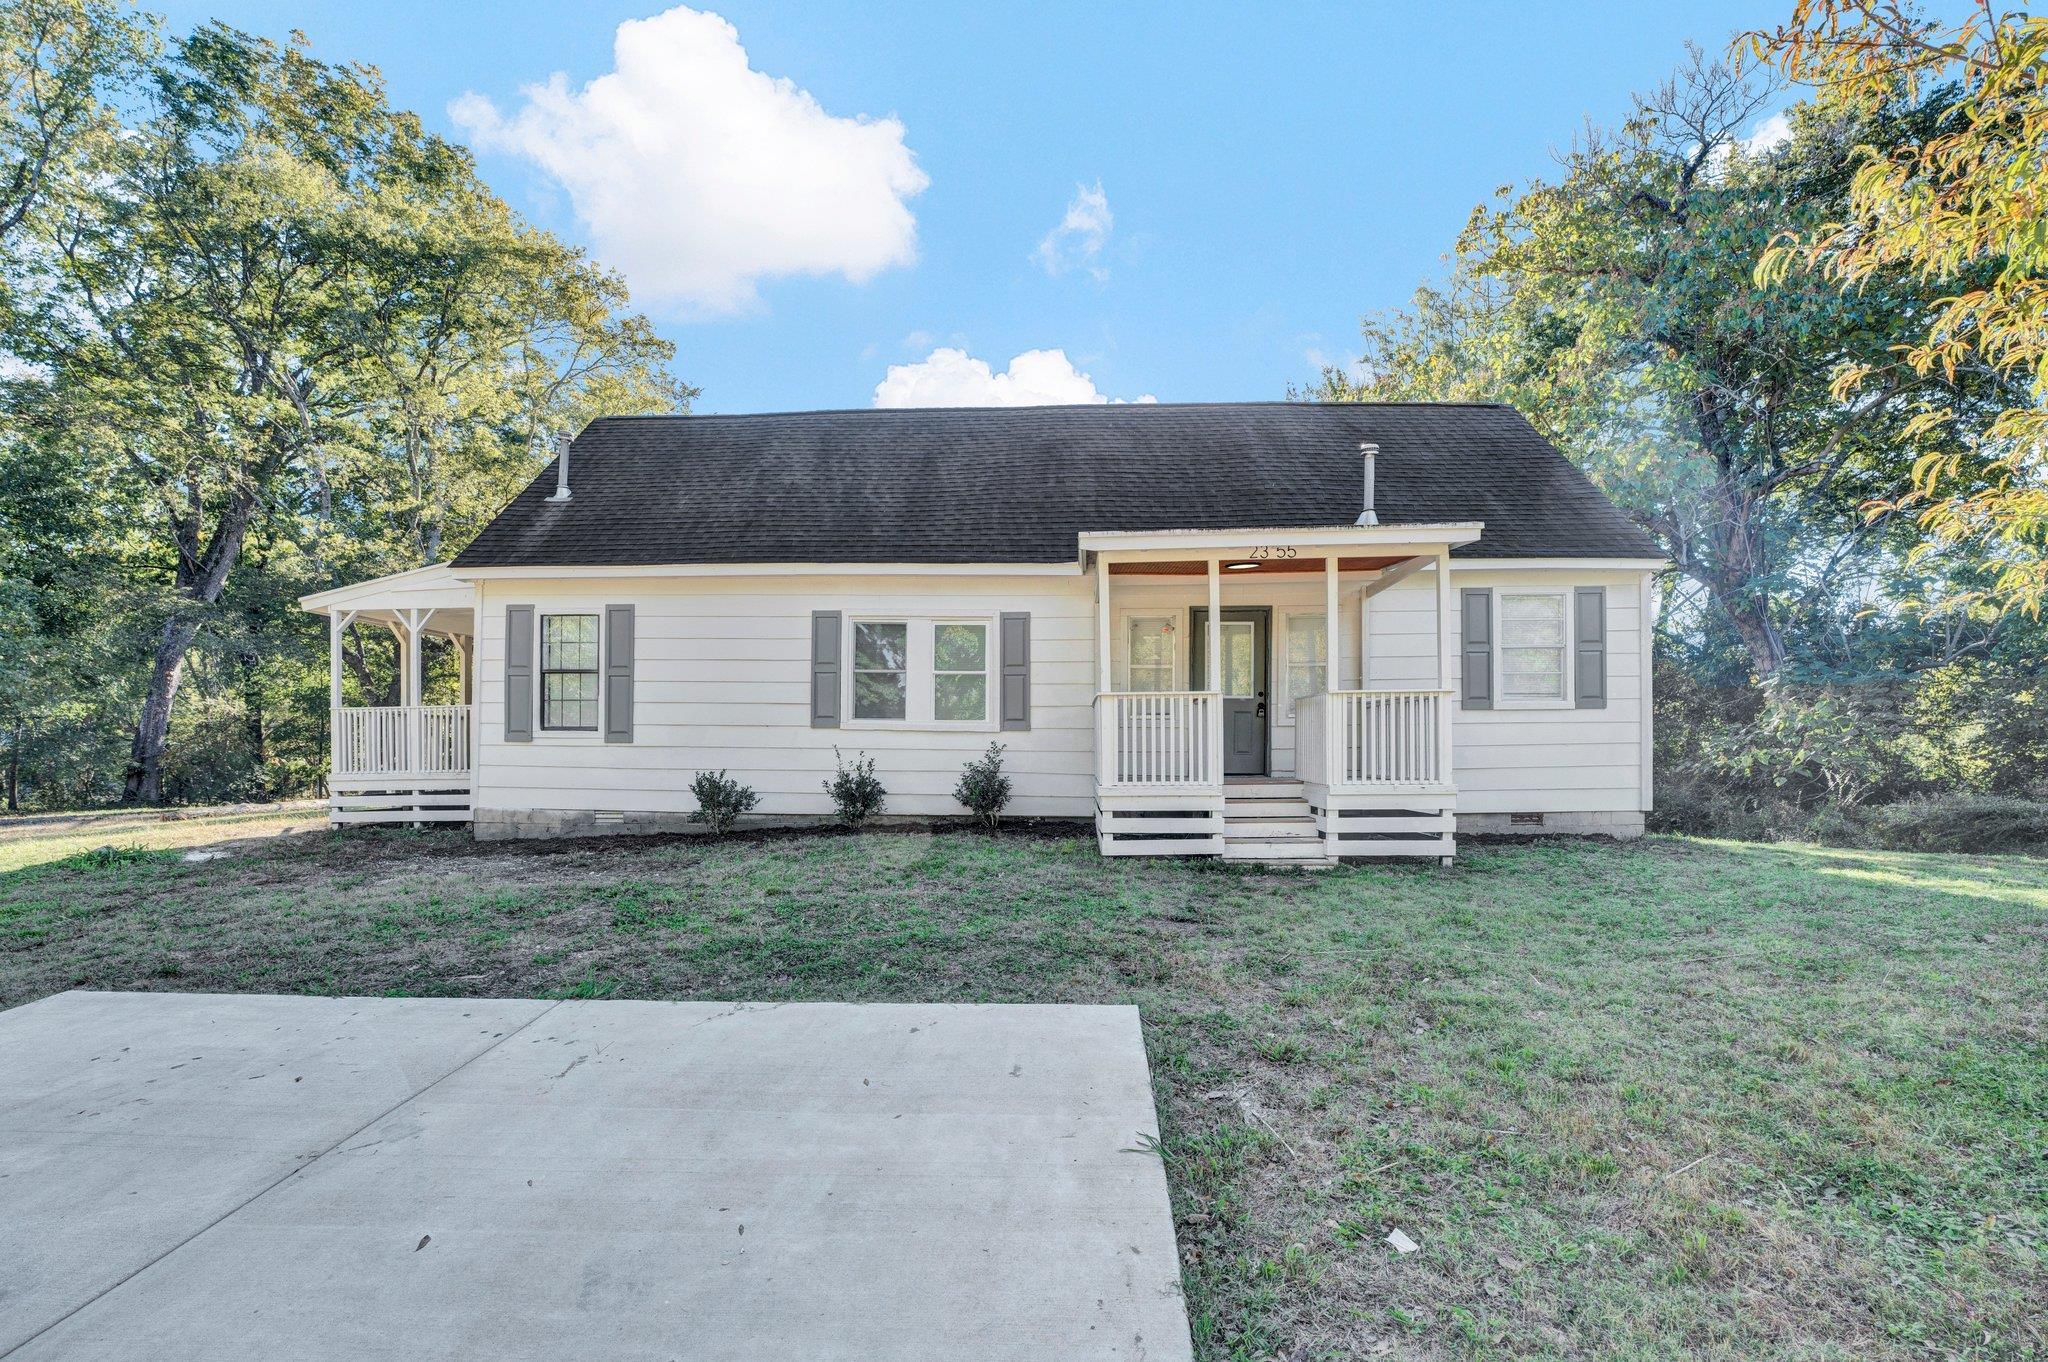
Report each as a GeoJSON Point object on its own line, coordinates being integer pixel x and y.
{"type": "Point", "coordinates": [1369, 451]}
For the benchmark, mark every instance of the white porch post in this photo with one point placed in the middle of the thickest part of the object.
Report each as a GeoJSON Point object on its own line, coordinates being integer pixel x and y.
{"type": "Point", "coordinates": [1331, 718]}
{"type": "Point", "coordinates": [1105, 709]}
{"type": "Point", "coordinates": [462, 642]}
{"type": "Point", "coordinates": [1214, 673]}
{"type": "Point", "coordinates": [1330, 625]}
{"type": "Point", "coordinates": [335, 625]}
{"type": "Point", "coordinates": [1444, 643]}
{"type": "Point", "coordinates": [1102, 622]}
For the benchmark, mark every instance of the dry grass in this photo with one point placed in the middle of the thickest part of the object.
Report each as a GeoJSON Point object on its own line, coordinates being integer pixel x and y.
{"type": "Point", "coordinates": [1675, 1100]}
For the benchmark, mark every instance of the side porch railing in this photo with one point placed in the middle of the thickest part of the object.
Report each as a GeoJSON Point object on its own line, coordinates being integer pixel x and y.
{"type": "Point", "coordinates": [403, 740]}
{"type": "Point", "coordinates": [1158, 740]}
{"type": "Point", "coordinates": [1374, 739]}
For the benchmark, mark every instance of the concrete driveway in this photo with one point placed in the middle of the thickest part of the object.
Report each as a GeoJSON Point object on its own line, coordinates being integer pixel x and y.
{"type": "Point", "coordinates": [220, 1178]}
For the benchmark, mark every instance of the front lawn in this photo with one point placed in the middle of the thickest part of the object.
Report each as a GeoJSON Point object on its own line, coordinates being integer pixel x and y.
{"type": "Point", "coordinates": [1680, 1099]}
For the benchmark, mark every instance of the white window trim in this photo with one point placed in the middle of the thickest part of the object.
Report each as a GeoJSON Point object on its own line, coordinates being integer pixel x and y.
{"type": "Point", "coordinates": [1177, 616]}
{"type": "Point", "coordinates": [919, 700]}
{"type": "Point", "coordinates": [1285, 658]}
{"type": "Point", "coordinates": [1566, 677]}
{"type": "Point", "coordinates": [541, 732]}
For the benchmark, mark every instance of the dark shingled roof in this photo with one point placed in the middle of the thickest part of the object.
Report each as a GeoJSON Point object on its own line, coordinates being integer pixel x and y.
{"type": "Point", "coordinates": [1018, 484]}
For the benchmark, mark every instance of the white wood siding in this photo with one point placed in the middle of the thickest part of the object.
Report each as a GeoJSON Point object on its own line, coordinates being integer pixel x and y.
{"type": "Point", "coordinates": [722, 681]}
{"type": "Point", "coordinates": [1527, 760]}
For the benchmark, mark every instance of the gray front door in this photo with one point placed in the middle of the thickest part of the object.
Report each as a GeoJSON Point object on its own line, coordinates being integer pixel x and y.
{"type": "Point", "coordinates": [1244, 687]}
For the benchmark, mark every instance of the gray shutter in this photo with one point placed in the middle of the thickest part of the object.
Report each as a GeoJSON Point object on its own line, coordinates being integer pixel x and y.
{"type": "Point", "coordinates": [618, 673]}
{"type": "Point", "coordinates": [1016, 664]}
{"type": "Point", "coordinates": [1590, 662]}
{"type": "Point", "coordinates": [1476, 632]}
{"type": "Point", "coordinates": [824, 669]}
{"type": "Point", "coordinates": [518, 673]}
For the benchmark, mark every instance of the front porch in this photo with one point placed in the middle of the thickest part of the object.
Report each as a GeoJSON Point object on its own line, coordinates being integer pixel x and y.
{"type": "Point", "coordinates": [1290, 755]}
{"type": "Point", "coordinates": [410, 761]}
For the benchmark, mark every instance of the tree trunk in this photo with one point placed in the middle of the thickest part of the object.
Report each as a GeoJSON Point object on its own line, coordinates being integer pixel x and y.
{"type": "Point", "coordinates": [144, 781]}
{"type": "Point", "coordinates": [202, 579]}
{"type": "Point", "coordinates": [1736, 562]}
{"type": "Point", "coordinates": [14, 773]}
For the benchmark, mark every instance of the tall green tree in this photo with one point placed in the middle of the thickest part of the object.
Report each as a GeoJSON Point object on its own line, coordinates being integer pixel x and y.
{"type": "Point", "coordinates": [1963, 204]}
{"type": "Point", "coordinates": [1615, 304]}
{"type": "Point", "coordinates": [278, 310]}
{"type": "Point", "coordinates": [62, 62]}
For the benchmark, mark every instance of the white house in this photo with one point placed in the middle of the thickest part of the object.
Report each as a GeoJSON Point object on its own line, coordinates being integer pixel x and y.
{"type": "Point", "coordinates": [1255, 630]}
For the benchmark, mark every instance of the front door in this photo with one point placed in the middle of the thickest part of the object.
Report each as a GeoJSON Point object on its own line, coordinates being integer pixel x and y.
{"type": "Point", "coordinates": [1244, 683]}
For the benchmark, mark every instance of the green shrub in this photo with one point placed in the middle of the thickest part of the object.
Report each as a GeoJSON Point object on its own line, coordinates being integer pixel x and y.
{"type": "Point", "coordinates": [720, 801]}
{"type": "Point", "coordinates": [1959, 822]}
{"type": "Point", "coordinates": [983, 787]}
{"type": "Point", "coordinates": [855, 791]}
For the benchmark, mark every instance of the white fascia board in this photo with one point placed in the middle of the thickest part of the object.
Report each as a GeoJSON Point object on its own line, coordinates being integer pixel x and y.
{"type": "Point", "coordinates": [1238, 542]}
{"type": "Point", "coordinates": [524, 574]}
{"type": "Point", "coordinates": [1560, 564]}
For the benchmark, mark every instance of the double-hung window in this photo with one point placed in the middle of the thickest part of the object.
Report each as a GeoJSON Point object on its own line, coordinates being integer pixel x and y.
{"type": "Point", "coordinates": [920, 671]}
{"type": "Point", "coordinates": [1308, 657]}
{"type": "Point", "coordinates": [881, 669]}
{"type": "Point", "coordinates": [1149, 652]}
{"type": "Point", "coordinates": [568, 673]}
{"type": "Point", "coordinates": [1534, 629]}
{"type": "Point", "coordinates": [960, 672]}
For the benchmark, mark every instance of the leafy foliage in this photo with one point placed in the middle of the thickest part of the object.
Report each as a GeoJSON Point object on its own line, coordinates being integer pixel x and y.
{"type": "Point", "coordinates": [265, 334]}
{"type": "Point", "coordinates": [856, 791]}
{"type": "Point", "coordinates": [1616, 305]}
{"type": "Point", "coordinates": [1961, 204]}
{"type": "Point", "coordinates": [721, 801]}
{"type": "Point", "coordinates": [983, 788]}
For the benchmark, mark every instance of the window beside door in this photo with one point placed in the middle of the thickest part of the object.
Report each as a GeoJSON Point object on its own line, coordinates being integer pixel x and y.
{"type": "Point", "coordinates": [1148, 653]}
{"type": "Point", "coordinates": [1306, 659]}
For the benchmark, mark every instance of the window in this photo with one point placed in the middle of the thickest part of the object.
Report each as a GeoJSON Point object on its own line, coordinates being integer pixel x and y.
{"type": "Point", "coordinates": [1149, 659]}
{"type": "Point", "coordinates": [881, 669]}
{"type": "Point", "coordinates": [960, 672]}
{"type": "Point", "coordinates": [568, 672]}
{"type": "Point", "coordinates": [1532, 645]}
{"type": "Point", "coordinates": [921, 672]}
{"type": "Point", "coordinates": [1308, 658]}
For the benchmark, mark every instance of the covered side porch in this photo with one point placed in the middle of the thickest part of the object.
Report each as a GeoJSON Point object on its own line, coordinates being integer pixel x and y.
{"type": "Point", "coordinates": [405, 753]}
{"type": "Point", "coordinates": [1237, 712]}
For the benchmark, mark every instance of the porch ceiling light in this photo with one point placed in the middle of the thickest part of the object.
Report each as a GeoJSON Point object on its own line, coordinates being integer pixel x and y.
{"type": "Point", "coordinates": [1240, 567]}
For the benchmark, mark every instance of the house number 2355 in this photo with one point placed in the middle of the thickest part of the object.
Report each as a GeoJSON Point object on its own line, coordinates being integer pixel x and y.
{"type": "Point", "coordinates": [1273, 551]}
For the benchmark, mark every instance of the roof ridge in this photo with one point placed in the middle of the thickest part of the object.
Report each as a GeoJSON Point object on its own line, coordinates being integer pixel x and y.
{"type": "Point", "coordinates": [1104, 407]}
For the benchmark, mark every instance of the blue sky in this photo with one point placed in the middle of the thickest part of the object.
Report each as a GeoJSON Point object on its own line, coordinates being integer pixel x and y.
{"type": "Point", "coordinates": [1266, 173]}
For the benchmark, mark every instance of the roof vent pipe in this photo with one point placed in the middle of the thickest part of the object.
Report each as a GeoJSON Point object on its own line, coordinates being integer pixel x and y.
{"type": "Point", "coordinates": [1368, 451]}
{"type": "Point", "coordinates": [561, 469]}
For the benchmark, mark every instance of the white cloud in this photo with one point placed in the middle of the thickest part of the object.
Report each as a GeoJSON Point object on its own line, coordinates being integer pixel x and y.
{"type": "Point", "coordinates": [697, 176]}
{"type": "Point", "coordinates": [1078, 241]}
{"type": "Point", "coordinates": [954, 378]}
{"type": "Point", "coordinates": [1773, 132]}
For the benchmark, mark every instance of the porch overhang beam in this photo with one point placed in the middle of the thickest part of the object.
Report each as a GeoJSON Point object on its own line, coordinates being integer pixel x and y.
{"type": "Point", "coordinates": [1347, 540]}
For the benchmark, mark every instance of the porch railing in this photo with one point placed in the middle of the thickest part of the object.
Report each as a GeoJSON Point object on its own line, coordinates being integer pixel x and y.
{"type": "Point", "coordinates": [1367, 738]}
{"type": "Point", "coordinates": [1158, 739]}
{"type": "Point", "coordinates": [403, 740]}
